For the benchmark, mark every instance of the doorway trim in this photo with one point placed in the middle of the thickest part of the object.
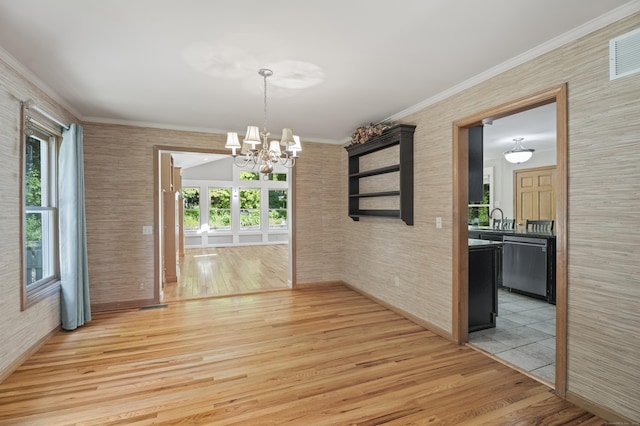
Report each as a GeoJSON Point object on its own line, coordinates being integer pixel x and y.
{"type": "Point", "coordinates": [460, 311]}
{"type": "Point", "coordinates": [157, 273]}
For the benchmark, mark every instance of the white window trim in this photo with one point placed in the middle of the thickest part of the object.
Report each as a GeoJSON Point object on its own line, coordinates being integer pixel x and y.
{"type": "Point", "coordinates": [236, 186]}
{"type": "Point", "coordinates": [32, 293]}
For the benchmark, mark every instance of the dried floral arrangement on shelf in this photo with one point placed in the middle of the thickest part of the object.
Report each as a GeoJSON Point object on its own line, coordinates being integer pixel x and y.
{"type": "Point", "coordinates": [369, 131]}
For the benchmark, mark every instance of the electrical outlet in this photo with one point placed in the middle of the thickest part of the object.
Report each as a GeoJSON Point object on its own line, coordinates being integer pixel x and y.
{"type": "Point", "coordinates": [438, 222]}
{"type": "Point", "coordinates": [147, 230]}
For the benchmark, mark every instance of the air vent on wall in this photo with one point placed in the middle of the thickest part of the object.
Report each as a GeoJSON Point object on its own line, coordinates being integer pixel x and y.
{"type": "Point", "coordinates": [624, 55]}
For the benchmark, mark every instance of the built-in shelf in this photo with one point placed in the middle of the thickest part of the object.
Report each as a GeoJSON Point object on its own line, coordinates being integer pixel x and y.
{"type": "Point", "coordinates": [401, 135]}
{"type": "Point", "coordinates": [375, 172]}
{"type": "Point", "coordinates": [380, 213]}
{"type": "Point", "coordinates": [375, 194]}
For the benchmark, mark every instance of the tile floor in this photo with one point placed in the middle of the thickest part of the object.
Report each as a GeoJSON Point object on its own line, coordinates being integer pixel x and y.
{"type": "Point", "coordinates": [525, 334]}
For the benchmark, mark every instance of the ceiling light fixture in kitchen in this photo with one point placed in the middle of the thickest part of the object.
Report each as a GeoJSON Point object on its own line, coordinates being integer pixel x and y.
{"type": "Point", "coordinates": [271, 153]}
{"type": "Point", "coordinates": [518, 153]}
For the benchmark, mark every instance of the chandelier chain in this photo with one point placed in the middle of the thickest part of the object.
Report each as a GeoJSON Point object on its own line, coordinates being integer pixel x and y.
{"type": "Point", "coordinates": [265, 102]}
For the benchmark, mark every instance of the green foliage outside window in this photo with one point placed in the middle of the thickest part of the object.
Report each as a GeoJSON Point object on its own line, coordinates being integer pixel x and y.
{"type": "Point", "coordinates": [33, 191]}
{"type": "Point", "coordinates": [191, 203]}
{"type": "Point", "coordinates": [277, 208]}
{"type": "Point", "coordinates": [279, 177]}
{"type": "Point", "coordinates": [249, 176]}
{"type": "Point", "coordinates": [249, 208]}
{"type": "Point", "coordinates": [219, 208]}
{"type": "Point", "coordinates": [479, 213]}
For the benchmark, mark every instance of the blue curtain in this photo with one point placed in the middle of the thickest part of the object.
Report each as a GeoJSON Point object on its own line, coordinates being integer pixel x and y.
{"type": "Point", "coordinates": [74, 276]}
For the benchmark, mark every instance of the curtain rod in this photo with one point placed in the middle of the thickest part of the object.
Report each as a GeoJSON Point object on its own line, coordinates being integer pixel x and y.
{"type": "Point", "coordinates": [49, 116]}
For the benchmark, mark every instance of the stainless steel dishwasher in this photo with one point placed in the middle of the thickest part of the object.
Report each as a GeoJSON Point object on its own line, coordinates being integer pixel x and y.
{"type": "Point", "coordinates": [524, 265]}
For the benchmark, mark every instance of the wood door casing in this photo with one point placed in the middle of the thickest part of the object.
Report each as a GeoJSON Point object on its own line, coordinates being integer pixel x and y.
{"type": "Point", "coordinates": [535, 194]}
{"type": "Point", "coordinates": [460, 271]}
{"type": "Point", "coordinates": [169, 232]}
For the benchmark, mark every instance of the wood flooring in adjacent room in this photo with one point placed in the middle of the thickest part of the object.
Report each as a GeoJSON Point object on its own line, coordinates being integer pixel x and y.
{"type": "Point", "coordinates": [223, 271]}
{"type": "Point", "coordinates": [313, 356]}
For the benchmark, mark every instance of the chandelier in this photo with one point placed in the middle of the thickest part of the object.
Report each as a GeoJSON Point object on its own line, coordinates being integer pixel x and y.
{"type": "Point", "coordinates": [269, 154]}
{"type": "Point", "coordinates": [518, 154]}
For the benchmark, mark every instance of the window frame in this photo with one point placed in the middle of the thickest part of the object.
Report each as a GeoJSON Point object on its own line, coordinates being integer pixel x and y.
{"type": "Point", "coordinates": [269, 209]}
{"type": "Point", "coordinates": [51, 135]}
{"type": "Point", "coordinates": [258, 228]}
{"type": "Point", "coordinates": [184, 208]}
{"type": "Point", "coordinates": [231, 222]}
{"type": "Point", "coordinates": [487, 179]}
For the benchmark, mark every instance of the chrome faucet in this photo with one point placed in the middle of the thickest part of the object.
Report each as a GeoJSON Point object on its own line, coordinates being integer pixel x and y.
{"type": "Point", "coordinates": [491, 215]}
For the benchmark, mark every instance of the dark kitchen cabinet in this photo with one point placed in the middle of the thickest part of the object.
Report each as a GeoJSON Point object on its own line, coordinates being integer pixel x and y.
{"type": "Point", "coordinates": [476, 164]}
{"type": "Point", "coordinates": [492, 236]}
{"type": "Point", "coordinates": [483, 295]}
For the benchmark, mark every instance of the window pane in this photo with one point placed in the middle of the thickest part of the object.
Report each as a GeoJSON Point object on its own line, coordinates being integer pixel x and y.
{"type": "Point", "coordinates": [249, 176]}
{"type": "Point", "coordinates": [33, 171]}
{"type": "Point", "coordinates": [278, 209]}
{"type": "Point", "coordinates": [34, 248]}
{"type": "Point", "coordinates": [191, 203]}
{"type": "Point", "coordinates": [219, 208]}
{"type": "Point", "coordinates": [40, 234]}
{"type": "Point", "coordinates": [280, 177]}
{"type": "Point", "coordinates": [249, 209]}
{"type": "Point", "coordinates": [39, 246]}
{"type": "Point", "coordinates": [479, 215]}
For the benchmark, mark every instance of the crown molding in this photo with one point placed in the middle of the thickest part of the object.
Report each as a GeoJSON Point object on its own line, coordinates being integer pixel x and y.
{"type": "Point", "coordinates": [181, 128]}
{"type": "Point", "coordinates": [580, 31]}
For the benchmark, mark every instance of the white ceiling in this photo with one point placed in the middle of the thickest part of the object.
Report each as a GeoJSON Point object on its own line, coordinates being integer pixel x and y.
{"type": "Point", "coordinates": [338, 64]}
{"type": "Point", "coordinates": [186, 160]}
{"type": "Point", "coordinates": [536, 126]}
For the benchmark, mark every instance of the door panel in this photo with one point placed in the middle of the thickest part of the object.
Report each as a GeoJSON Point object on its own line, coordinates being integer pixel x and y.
{"type": "Point", "coordinates": [527, 205]}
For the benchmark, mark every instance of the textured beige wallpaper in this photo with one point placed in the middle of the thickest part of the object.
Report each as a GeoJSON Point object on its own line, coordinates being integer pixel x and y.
{"type": "Point", "coordinates": [119, 186]}
{"type": "Point", "coordinates": [19, 330]}
{"type": "Point", "coordinates": [411, 267]}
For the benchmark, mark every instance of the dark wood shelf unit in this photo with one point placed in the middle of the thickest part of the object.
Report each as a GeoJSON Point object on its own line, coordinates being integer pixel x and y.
{"type": "Point", "coordinates": [379, 213]}
{"type": "Point", "coordinates": [375, 172]}
{"type": "Point", "coordinates": [401, 135]}
{"type": "Point", "coordinates": [376, 194]}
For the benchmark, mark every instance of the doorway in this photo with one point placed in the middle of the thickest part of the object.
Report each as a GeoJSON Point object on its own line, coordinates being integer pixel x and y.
{"type": "Point", "coordinates": [460, 225]}
{"type": "Point", "coordinates": [212, 260]}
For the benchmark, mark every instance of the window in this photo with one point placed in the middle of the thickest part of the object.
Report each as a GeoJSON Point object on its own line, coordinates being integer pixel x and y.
{"type": "Point", "coordinates": [278, 208]}
{"type": "Point", "coordinates": [40, 214]}
{"type": "Point", "coordinates": [249, 209]}
{"type": "Point", "coordinates": [220, 209]}
{"type": "Point", "coordinates": [479, 212]}
{"type": "Point", "coordinates": [280, 177]}
{"type": "Point", "coordinates": [249, 176]}
{"type": "Point", "coordinates": [191, 203]}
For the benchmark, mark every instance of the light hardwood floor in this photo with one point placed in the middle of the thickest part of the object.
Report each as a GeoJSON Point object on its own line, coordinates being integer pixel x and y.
{"type": "Point", "coordinates": [313, 356]}
{"type": "Point", "coordinates": [224, 271]}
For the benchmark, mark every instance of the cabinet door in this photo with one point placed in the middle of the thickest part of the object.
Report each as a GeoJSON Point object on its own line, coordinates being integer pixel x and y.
{"type": "Point", "coordinates": [476, 164]}
{"type": "Point", "coordinates": [482, 288]}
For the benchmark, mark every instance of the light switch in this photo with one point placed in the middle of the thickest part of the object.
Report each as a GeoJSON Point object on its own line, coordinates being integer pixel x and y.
{"type": "Point", "coordinates": [147, 230]}
{"type": "Point", "coordinates": [438, 222]}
